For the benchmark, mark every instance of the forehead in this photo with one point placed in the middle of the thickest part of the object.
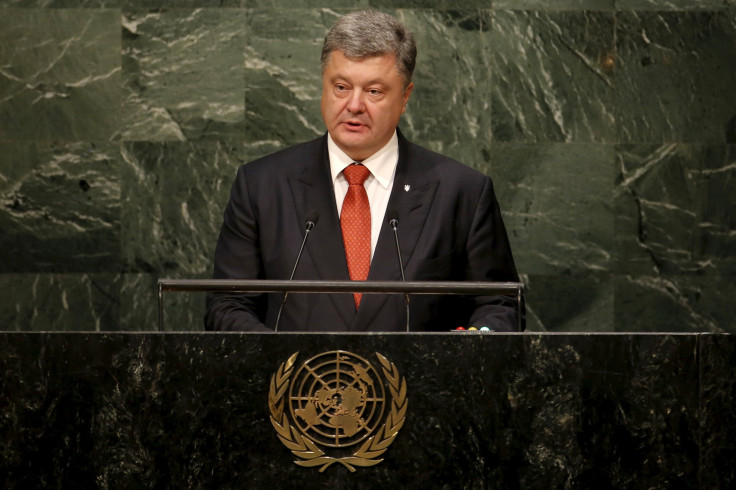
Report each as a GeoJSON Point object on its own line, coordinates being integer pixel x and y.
{"type": "Point", "coordinates": [381, 66]}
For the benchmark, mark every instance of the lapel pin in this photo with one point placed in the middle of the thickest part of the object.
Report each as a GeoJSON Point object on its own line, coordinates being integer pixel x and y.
{"type": "Point", "coordinates": [407, 187]}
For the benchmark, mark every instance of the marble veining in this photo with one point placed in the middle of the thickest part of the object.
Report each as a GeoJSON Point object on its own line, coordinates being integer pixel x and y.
{"type": "Point", "coordinates": [565, 224]}
{"type": "Point", "coordinates": [532, 51]}
{"type": "Point", "coordinates": [674, 4]}
{"type": "Point", "coordinates": [183, 74]}
{"type": "Point", "coordinates": [173, 204]}
{"type": "Point", "coordinates": [673, 209]}
{"type": "Point", "coordinates": [59, 73]}
{"type": "Point", "coordinates": [39, 234]}
{"type": "Point", "coordinates": [673, 79]}
{"type": "Point", "coordinates": [60, 302]}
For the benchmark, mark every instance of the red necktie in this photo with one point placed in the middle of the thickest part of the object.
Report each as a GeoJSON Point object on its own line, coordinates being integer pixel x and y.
{"type": "Point", "coordinates": [355, 220]}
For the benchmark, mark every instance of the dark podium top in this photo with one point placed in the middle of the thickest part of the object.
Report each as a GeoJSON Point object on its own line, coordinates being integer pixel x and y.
{"type": "Point", "coordinates": [150, 410]}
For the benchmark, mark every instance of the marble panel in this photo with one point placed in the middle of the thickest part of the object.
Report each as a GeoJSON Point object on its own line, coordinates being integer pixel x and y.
{"type": "Point", "coordinates": [61, 3]}
{"type": "Point", "coordinates": [581, 302]}
{"type": "Point", "coordinates": [717, 355]}
{"type": "Point", "coordinates": [59, 302]}
{"type": "Point", "coordinates": [282, 75]}
{"type": "Point", "coordinates": [496, 412]}
{"type": "Point", "coordinates": [674, 77]}
{"type": "Point", "coordinates": [674, 209]}
{"type": "Point", "coordinates": [668, 303]}
{"type": "Point", "coordinates": [60, 207]}
{"type": "Point", "coordinates": [556, 204]}
{"type": "Point", "coordinates": [139, 302]}
{"type": "Point", "coordinates": [288, 6]}
{"type": "Point", "coordinates": [553, 76]}
{"type": "Point", "coordinates": [553, 4]}
{"type": "Point", "coordinates": [60, 75]}
{"type": "Point", "coordinates": [192, 4]}
{"type": "Point", "coordinates": [173, 197]}
{"type": "Point", "coordinates": [183, 74]}
{"type": "Point", "coordinates": [430, 4]}
{"type": "Point", "coordinates": [449, 110]}
{"type": "Point", "coordinates": [674, 4]}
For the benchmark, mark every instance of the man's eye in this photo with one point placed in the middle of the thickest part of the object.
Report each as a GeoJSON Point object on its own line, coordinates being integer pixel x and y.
{"type": "Point", "coordinates": [340, 88]}
{"type": "Point", "coordinates": [374, 92]}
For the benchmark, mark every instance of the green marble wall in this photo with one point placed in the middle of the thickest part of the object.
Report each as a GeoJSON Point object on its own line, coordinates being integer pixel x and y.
{"type": "Point", "coordinates": [609, 127]}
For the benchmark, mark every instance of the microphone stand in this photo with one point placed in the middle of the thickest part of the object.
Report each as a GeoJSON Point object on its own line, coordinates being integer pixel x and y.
{"type": "Point", "coordinates": [394, 222]}
{"type": "Point", "coordinates": [308, 225]}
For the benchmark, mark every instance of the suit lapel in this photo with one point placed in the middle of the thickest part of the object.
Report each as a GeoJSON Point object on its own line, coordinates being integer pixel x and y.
{"type": "Point", "coordinates": [313, 193]}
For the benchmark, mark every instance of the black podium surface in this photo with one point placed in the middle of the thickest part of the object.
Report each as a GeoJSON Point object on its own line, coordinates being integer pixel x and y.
{"type": "Point", "coordinates": [173, 410]}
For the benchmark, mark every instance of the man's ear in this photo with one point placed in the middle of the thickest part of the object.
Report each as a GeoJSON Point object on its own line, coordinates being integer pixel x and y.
{"type": "Point", "coordinates": [407, 94]}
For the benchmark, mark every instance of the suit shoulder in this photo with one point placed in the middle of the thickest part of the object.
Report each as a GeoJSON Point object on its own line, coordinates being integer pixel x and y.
{"type": "Point", "coordinates": [442, 165]}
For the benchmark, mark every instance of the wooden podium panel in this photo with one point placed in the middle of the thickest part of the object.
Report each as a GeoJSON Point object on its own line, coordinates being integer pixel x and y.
{"type": "Point", "coordinates": [149, 410]}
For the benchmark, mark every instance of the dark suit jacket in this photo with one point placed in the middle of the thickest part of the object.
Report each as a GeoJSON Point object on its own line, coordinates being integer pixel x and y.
{"type": "Point", "coordinates": [450, 228]}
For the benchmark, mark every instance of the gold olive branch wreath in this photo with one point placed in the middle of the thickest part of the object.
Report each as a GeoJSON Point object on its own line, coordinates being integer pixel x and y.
{"type": "Point", "coordinates": [307, 452]}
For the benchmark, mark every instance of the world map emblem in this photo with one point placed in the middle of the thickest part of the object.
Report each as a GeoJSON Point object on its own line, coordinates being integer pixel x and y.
{"type": "Point", "coordinates": [337, 408]}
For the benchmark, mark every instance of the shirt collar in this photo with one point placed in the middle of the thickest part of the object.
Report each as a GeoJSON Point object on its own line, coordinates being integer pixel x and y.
{"type": "Point", "coordinates": [382, 164]}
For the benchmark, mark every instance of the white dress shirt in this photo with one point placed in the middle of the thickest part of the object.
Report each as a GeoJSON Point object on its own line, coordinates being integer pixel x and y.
{"type": "Point", "coordinates": [382, 165]}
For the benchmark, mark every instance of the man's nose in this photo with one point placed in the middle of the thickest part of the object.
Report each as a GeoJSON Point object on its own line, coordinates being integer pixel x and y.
{"type": "Point", "coordinates": [356, 104]}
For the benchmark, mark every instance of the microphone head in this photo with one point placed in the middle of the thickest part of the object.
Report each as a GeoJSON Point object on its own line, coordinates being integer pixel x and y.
{"type": "Point", "coordinates": [311, 220]}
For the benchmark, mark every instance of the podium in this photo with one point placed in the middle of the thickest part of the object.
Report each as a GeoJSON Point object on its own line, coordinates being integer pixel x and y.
{"type": "Point", "coordinates": [519, 410]}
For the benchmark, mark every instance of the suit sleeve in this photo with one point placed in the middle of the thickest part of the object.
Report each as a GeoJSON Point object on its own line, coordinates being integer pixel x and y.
{"type": "Point", "coordinates": [489, 258]}
{"type": "Point", "coordinates": [237, 256]}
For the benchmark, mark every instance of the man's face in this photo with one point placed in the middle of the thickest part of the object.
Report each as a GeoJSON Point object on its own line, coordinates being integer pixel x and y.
{"type": "Point", "coordinates": [362, 102]}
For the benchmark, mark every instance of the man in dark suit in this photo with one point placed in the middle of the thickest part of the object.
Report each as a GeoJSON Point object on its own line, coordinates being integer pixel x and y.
{"type": "Point", "coordinates": [450, 226]}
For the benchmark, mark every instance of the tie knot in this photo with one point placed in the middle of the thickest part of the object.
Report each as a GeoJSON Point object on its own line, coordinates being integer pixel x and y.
{"type": "Point", "coordinates": [356, 174]}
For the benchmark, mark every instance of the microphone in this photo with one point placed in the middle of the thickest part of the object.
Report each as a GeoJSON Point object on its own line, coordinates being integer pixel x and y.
{"type": "Point", "coordinates": [393, 220]}
{"type": "Point", "coordinates": [308, 226]}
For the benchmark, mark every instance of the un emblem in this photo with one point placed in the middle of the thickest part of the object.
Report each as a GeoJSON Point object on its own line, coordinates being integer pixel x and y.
{"type": "Point", "coordinates": [334, 409]}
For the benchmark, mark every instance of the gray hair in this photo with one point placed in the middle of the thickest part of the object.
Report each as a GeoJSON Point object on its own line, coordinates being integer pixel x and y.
{"type": "Point", "coordinates": [371, 33]}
